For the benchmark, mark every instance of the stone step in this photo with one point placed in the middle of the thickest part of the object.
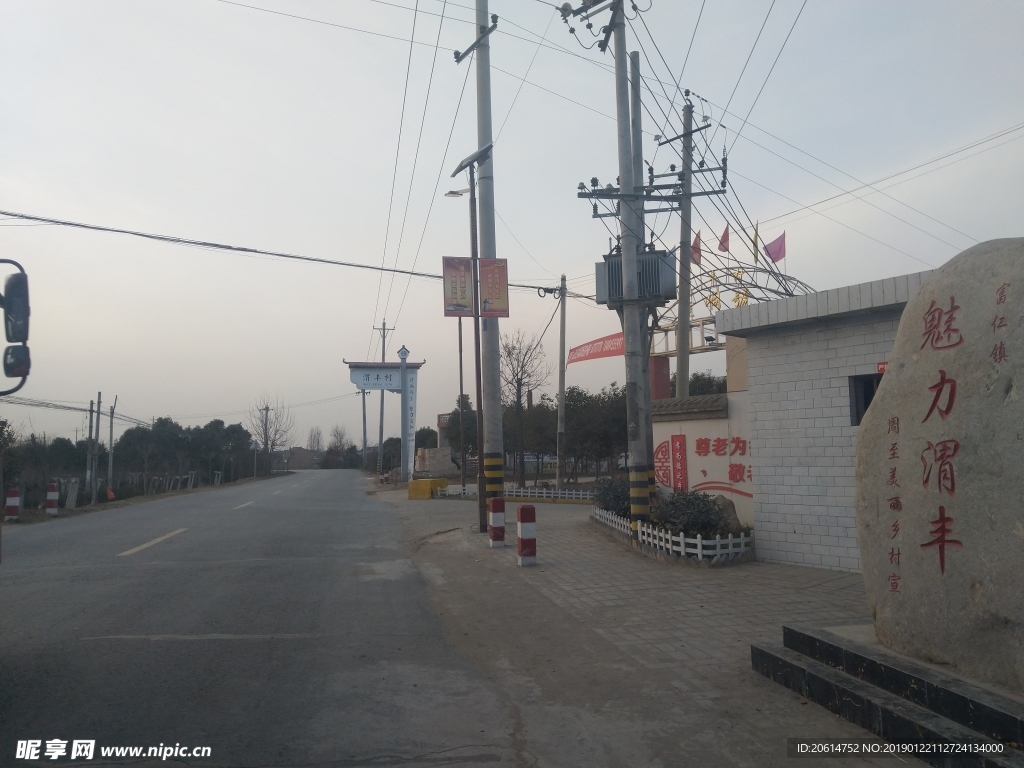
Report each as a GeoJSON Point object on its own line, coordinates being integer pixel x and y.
{"type": "Point", "coordinates": [888, 716]}
{"type": "Point", "coordinates": [978, 708]}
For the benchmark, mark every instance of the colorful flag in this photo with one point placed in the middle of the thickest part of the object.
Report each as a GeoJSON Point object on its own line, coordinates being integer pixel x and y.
{"type": "Point", "coordinates": [755, 245]}
{"type": "Point", "coordinates": [695, 249]}
{"type": "Point", "coordinates": [723, 243]}
{"type": "Point", "coordinates": [776, 249]}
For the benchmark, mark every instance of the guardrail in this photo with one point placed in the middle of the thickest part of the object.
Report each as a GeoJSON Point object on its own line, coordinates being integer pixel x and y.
{"type": "Point", "coordinates": [547, 493]}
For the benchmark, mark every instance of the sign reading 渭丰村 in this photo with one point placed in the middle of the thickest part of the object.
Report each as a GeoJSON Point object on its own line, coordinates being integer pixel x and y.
{"type": "Point", "coordinates": [384, 376]}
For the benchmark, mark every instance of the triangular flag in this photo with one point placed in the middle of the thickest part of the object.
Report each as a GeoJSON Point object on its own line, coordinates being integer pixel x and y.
{"type": "Point", "coordinates": [695, 249]}
{"type": "Point", "coordinates": [776, 249]}
{"type": "Point", "coordinates": [723, 243]}
{"type": "Point", "coordinates": [755, 245]}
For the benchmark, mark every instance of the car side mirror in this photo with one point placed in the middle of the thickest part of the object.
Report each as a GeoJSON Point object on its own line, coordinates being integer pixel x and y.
{"type": "Point", "coordinates": [17, 362]}
{"type": "Point", "coordinates": [16, 308]}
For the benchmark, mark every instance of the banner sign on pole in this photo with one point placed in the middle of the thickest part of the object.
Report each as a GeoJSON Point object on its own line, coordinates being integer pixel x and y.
{"type": "Point", "coordinates": [458, 286]}
{"type": "Point", "coordinates": [606, 346]}
{"type": "Point", "coordinates": [493, 287]}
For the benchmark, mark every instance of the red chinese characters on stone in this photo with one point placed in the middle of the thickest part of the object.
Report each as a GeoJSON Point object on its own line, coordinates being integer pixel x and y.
{"type": "Point", "coordinates": [737, 473]}
{"type": "Point", "coordinates": [895, 504]}
{"type": "Point", "coordinates": [894, 425]}
{"type": "Point", "coordinates": [941, 529]}
{"type": "Point", "coordinates": [939, 331]}
{"type": "Point", "coordinates": [894, 582]}
{"type": "Point", "coordinates": [1001, 293]}
{"type": "Point", "coordinates": [895, 529]}
{"type": "Point", "coordinates": [939, 456]}
{"type": "Point", "coordinates": [998, 322]}
{"type": "Point", "coordinates": [998, 353]}
{"type": "Point", "coordinates": [894, 556]}
{"type": "Point", "coordinates": [738, 445]}
{"type": "Point", "coordinates": [719, 446]}
{"type": "Point", "coordinates": [943, 385]}
{"type": "Point", "coordinates": [702, 446]}
{"type": "Point", "coordinates": [892, 478]}
{"type": "Point", "coordinates": [894, 452]}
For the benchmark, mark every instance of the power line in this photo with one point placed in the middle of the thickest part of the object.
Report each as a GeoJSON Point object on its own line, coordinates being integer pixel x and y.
{"type": "Point", "coordinates": [772, 69]}
{"type": "Point", "coordinates": [521, 82]}
{"type": "Point", "coordinates": [241, 249]}
{"type": "Point", "coordinates": [437, 183]}
{"type": "Point", "coordinates": [415, 160]}
{"type": "Point", "coordinates": [742, 71]}
{"type": "Point", "coordinates": [394, 175]}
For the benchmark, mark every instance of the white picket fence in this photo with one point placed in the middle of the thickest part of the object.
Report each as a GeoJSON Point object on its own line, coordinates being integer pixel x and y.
{"type": "Point", "coordinates": [698, 548]}
{"type": "Point", "coordinates": [520, 493]}
{"type": "Point", "coordinates": [546, 493]}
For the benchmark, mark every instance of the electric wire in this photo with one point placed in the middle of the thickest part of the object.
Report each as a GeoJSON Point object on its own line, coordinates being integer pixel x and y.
{"type": "Point", "coordinates": [437, 183]}
{"type": "Point", "coordinates": [394, 181]}
{"type": "Point", "coordinates": [772, 69]}
{"type": "Point", "coordinates": [415, 161]}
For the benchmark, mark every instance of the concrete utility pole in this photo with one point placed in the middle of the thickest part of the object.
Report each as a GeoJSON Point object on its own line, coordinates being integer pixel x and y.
{"type": "Point", "coordinates": [363, 393]}
{"type": "Point", "coordinates": [560, 445]}
{"type": "Point", "coordinates": [646, 313]}
{"type": "Point", "coordinates": [685, 242]}
{"type": "Point", "coordinates": [266, 435]}
{"type": "Point", "coordinates": [637, 418]}
{"type": "Point", "coordinates": [403, 378]}
{"type": "Point", "coordinates": [88, 449]}
{"type": "Point", "coordinates": [380, 442]}
{"type": "Point", "coordinates": [493, 452]}
{"type": "Point", "coordinates": [462, 410]}
{"type": "Point", "coordinates": [110, 448]}
{"type": "Point", "coordinates": [96, 450]}
{"type": "Point", "coordinates": [481, 478]}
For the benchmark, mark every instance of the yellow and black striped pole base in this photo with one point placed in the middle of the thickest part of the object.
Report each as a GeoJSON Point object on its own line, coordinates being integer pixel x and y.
{"type": "Point", "coordinates": [639, 498]}
{"type": "Point", "coordinates": [494, 475]}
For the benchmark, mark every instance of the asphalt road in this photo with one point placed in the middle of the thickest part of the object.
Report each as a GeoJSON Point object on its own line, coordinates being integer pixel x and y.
{"type": "Point", "coordinates": [280, 623]}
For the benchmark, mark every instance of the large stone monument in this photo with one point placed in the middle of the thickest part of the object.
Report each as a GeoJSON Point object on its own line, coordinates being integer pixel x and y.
{"type": "Point", "coordinates": [940, 472]}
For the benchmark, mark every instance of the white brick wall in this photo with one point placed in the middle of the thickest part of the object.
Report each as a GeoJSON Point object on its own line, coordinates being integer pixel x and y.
{"type": "Point", "coordinates": [802, 442]}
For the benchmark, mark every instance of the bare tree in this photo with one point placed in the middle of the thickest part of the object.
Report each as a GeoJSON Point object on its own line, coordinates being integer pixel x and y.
{"type": "Point", "coordinates": [339, 439]}
{"type": "Point", "coordinates": [9, 435]}
{"type": "Point", "coordinates": [315, 441]}
{"type": "Point", "coordinates": [523, 368]}
{"type": "Point", "coordinates": [272, 424]}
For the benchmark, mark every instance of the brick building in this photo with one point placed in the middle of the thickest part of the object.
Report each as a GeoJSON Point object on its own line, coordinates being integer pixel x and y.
{"type": "Point", "coordinates": [812, 365]}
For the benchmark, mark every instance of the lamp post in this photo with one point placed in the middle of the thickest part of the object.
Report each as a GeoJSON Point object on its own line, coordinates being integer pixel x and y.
{"type": "Point", "coordinates": [462, 391]}
{"type": "Point", "coordinates": [470, 164]}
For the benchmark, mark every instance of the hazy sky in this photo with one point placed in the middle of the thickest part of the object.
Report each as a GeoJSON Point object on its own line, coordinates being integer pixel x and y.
{"type": "Point", "coordinates": [213, 121]}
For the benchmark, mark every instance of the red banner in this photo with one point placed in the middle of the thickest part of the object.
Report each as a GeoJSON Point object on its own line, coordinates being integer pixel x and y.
{"type": "Point", "coordinates": [680, 475]}
{"type": "Point", "coordinates": [606, 346]}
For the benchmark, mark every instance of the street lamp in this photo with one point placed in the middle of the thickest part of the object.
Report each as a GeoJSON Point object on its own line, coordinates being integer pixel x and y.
{"type": "Point", "coordinates": [470, 164]}
{"type": "Point", "coordinates": [462, 392]}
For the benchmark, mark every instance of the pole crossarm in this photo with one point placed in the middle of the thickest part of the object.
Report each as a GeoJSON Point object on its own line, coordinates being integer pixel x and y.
{"type": "Point", "coordinates": [684, 134]}
{"type": "Point", "coordinates": [484, 32]}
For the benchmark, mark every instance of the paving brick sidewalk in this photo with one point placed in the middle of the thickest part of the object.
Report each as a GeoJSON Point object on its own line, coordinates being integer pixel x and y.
{"type": "Point", "coordinates": [650, 660]}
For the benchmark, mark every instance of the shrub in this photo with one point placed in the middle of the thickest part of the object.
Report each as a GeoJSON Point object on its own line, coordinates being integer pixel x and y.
{"type": "Point", "coordinates": [691, 513]}
{"type": "Point", "coordinates": [612, 495]}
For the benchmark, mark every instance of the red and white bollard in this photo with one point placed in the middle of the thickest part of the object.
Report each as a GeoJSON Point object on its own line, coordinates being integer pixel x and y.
{"type": "Point", "coordinates": [12, 507]}
{"type": "Point", "coordinates": [526, 547]}
{"type": "Point", "coordinates": [52, 496]}
{"type": "Point", "coordinates": [496, 522]}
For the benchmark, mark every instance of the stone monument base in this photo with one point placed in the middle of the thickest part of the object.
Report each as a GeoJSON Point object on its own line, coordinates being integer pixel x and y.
{"type": "Point", "coordinates": [843, 668]}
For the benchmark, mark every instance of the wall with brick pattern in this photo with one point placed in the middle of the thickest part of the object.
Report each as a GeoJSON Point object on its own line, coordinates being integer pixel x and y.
{"type": "Point", "coordinates": [802, 441]}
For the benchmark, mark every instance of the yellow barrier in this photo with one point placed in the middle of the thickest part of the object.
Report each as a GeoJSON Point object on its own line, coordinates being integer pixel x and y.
{"type": "Point", "coordinates": [424, 489]}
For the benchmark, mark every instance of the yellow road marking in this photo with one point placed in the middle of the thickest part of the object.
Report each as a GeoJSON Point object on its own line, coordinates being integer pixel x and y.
{"type": "Point", "coordinates": [157, 540]}
{"type": "Point", "coordinates": [244, 505]}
